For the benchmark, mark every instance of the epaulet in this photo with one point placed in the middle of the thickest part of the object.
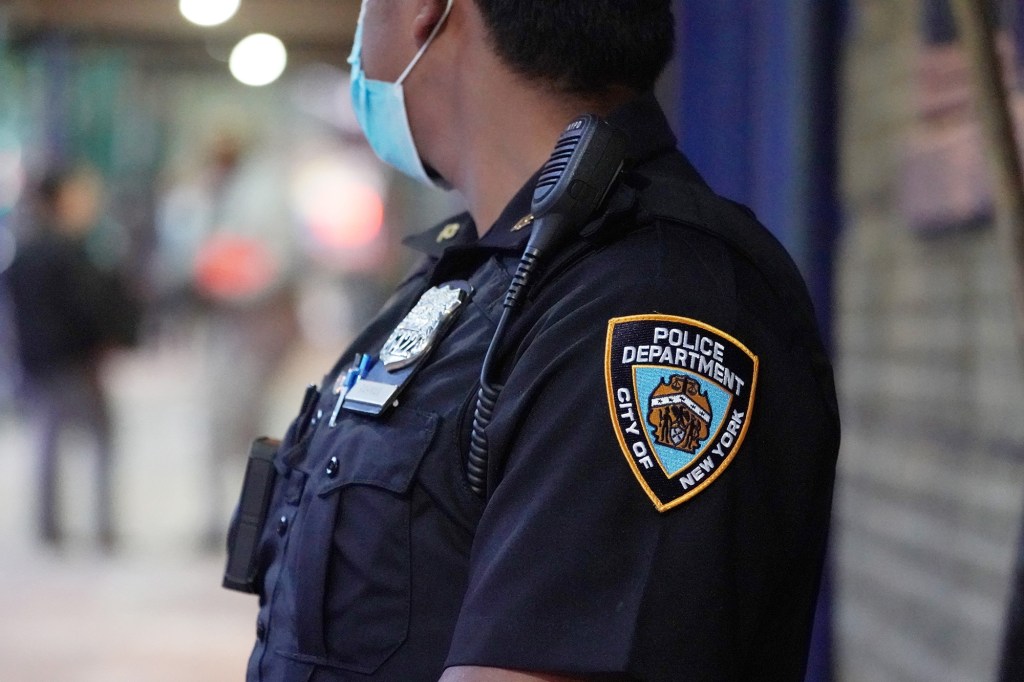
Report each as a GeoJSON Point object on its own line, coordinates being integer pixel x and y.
{"type": "Point", "coordinates": [695, 205]}
{"type": "Point", "coordinates": [456, 230]}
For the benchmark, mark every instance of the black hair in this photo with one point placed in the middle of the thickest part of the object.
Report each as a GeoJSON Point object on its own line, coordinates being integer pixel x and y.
{"type": "Point", "coordinates": [583, 46]}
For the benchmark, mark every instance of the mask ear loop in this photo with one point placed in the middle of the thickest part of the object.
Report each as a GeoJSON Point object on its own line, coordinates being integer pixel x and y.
{"type": "Point", "coordinates": [355, 57]}
{"type": "Point", "coordinates": [426, 43]}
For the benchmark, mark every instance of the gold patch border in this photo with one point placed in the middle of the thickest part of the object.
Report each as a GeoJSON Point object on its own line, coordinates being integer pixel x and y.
{"type": "Point", "coordinates": [609, 391]}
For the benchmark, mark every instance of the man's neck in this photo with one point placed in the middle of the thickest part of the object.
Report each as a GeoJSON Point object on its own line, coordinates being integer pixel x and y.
{"type": "Point", "coordinates": [508, 138]}
{"type": "Point", "coordinates": [502, 133]}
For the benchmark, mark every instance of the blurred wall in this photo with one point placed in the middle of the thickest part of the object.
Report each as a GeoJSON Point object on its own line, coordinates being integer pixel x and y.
{"type": "Point", "coordinates": [930, 375]}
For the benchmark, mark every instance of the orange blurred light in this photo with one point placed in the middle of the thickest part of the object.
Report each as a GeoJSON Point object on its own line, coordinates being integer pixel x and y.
{"type": "Point", "coordinates": [232, 267]}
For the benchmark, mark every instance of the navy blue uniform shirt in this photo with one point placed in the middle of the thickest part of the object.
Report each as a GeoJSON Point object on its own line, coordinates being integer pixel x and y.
{"type": "Point", "coordinates": [665, 438]}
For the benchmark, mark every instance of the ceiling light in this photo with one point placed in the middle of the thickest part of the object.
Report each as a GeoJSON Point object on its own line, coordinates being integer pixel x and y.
{"type": "Point", "coordinates": [208, 12]}
{"type": "Point", "coordinates": [258, 59]}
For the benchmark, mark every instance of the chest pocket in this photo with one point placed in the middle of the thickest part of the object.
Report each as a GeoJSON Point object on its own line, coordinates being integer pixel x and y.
{"type": "Point", "coordinates": [353, 572]}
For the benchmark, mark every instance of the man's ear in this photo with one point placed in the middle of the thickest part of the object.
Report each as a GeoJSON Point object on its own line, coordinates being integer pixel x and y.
{"type": "Point", "coordinates": [427, 18]}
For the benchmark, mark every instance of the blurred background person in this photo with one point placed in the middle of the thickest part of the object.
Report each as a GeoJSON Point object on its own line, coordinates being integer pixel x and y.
{"type": "Point", "coordinates": [70, 306]}
{"type": "Point", "coordinates": [224, 236]}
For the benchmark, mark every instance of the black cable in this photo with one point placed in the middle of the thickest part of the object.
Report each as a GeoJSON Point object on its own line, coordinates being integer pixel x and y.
{"type": "Point", "coordinates": [572, 185]}
{"type": "Point", "coordinates": [487, 396]}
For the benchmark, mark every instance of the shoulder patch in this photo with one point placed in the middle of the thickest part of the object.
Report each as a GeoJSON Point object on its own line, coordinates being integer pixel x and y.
{"type": "Point", "coordinates": [680, 395]}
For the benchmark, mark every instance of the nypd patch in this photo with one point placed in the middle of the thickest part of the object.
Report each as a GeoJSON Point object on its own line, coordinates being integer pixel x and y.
{"type": "Point", "coordinates": [680, 395]}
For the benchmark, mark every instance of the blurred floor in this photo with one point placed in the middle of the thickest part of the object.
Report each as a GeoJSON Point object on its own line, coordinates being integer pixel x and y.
{"type": "Point", "coordinates": [154, 610]}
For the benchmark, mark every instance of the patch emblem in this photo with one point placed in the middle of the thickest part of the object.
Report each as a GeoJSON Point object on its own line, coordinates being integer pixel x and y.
{"type": "Point", "coordinates": [680, 395]}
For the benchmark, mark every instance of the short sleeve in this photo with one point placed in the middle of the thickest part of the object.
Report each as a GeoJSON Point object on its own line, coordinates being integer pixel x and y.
{"type": "Point", "coordinates": [573, 569]}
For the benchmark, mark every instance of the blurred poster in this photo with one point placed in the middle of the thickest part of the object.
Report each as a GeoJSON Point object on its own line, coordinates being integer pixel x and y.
{"type": "Point", "coordinates": [945, 183]}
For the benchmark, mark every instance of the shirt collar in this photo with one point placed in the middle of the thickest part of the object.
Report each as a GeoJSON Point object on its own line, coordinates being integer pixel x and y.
{"type": "Point", "coordinates": [458, 230]}
{"type": "Point", "coordinates": [646, 128]}
{"type": "Point", "coordinates": [648, 135]}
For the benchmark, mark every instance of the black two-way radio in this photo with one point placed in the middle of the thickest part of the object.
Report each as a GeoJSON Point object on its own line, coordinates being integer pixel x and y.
{"type": "Point", "coordinates": [571, 186]}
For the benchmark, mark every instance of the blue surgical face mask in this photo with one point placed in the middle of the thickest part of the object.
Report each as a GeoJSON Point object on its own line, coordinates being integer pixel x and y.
{"type": "Point", "coordinates": [380, 108]}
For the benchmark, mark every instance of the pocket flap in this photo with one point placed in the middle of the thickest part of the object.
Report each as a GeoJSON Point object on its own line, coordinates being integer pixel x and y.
{"type": "Point", "coordinates": [383, 453]}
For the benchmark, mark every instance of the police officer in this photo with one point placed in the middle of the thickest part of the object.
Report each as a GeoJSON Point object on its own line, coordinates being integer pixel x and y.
{"type": "Point", "coordinates": [661, 431]}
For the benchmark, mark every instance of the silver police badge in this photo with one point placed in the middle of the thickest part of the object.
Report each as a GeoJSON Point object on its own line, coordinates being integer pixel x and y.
{"type": "Point", "coordinates": [416, 334]}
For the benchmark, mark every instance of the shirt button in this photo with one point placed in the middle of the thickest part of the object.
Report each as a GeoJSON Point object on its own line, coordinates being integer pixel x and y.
{"type": "Point", "coordinates": [261, 630]}
{"type": "Point", "coordinates": [332, 468]}
{"type": "Point", "coordinates": [282, 525]}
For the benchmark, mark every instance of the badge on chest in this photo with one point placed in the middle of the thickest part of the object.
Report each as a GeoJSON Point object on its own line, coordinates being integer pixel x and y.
{"type": "Point", "coordinates": [376, 386]}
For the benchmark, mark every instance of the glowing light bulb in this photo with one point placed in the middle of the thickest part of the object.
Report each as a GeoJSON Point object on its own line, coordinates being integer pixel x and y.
{"type": "Point", "coordinates": [258, 59]}
{"type": "Point", "coordinates": [208, 12]}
